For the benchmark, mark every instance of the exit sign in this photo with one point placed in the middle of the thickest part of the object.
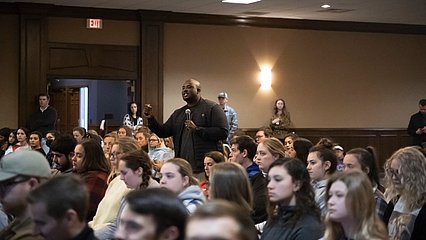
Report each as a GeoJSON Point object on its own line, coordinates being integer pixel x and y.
{"type": "Point", "coordinates": [94, 23]}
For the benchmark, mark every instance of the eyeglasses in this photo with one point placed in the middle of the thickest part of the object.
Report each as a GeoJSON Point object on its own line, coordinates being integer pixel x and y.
{"type": "Point", "coordinates": [7, 186]}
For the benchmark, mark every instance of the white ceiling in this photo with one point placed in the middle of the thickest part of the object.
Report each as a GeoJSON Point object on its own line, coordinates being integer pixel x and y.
{"type": "Point", "coordinates": [375, 11]}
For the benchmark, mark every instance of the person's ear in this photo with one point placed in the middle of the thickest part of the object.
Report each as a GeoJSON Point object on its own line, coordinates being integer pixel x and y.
{"type": "Point", "coordinates": [33, 182]}
{"type": "Point", "coordinates": [171, 233]}
{"type": "Point", "coordinates": [296, 186]}
{"type": "Point", "coordinates": [185, 181]}
{"type": "Point", "coordinates": [245, 153]}
{"type": "Point", "coordinates": [71, 217]}
{"type": "Point", "coordinates": [139, 171]}
{"type": "Point", "coordinates": [327, 165]}
{"type": "Point", "coordinates": [367, 170]}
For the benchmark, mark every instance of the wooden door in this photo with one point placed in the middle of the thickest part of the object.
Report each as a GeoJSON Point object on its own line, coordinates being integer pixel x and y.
{"type": "Point", "coordinates": [66, 100]}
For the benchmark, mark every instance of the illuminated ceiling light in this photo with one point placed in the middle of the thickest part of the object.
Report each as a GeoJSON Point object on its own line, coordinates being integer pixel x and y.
{"type": "Point", "coordinates": [240, 1]}
{"type": "Point", "coordinates": [326, 6]}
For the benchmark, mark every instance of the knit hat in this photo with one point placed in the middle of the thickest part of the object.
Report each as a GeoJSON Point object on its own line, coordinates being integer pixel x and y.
{"type": "Point", "coordinates": [24, 162]}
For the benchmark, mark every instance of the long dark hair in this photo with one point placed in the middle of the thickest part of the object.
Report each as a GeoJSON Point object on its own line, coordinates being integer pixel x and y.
{"type": "Point", "coordinates": [94, 157]}
{"type": "Point", "coordinates": [305, 196]}
{"type": "Point", "coordinates": [129, 111]}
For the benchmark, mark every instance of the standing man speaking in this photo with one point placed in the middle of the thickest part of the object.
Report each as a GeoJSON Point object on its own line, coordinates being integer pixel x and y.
{"type": "Point", "coordinates": [196, 128]}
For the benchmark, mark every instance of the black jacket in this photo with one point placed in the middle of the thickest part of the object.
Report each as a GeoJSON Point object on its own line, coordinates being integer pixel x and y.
{"type": "Point", "coordinates": [211, 124]}
{"type": "Point", "coordinates": [417, 121]}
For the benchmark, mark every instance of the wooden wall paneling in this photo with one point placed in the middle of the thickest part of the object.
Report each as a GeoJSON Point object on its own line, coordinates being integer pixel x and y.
{"type": "Point", "coordinates": [93, 61]}
{"type": "Point", "coordinates": [151, 88]}
{"type": "Point", "coordinates": [32, 66]}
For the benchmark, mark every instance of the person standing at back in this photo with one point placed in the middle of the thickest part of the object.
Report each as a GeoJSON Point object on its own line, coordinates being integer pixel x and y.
{"type": "Point", "coordinates": [417, 125]}
{"type": "Point", "coordinates": [231, 115]}
{"type": "Point", "coordinates": [44, 118]}
{"type": "Point", "coordinates": [197, 128]}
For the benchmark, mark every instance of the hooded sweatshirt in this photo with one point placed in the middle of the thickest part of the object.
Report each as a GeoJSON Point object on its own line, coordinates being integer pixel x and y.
{"type": "Point", "coordinates": [191, 197]}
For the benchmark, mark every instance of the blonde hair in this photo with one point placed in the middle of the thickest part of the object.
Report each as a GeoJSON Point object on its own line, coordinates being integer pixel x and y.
{"type": "Point", "coordinates": [360, 203]}
{"type": "Point", "coordinates": [413, 178]}
{"type": "Point", "coordinates": [275, 147]}
{"type": "Point", "coordinates": [126, 145]}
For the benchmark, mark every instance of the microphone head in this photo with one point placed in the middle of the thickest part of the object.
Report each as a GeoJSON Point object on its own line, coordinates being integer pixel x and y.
{"type": "Point", "coordinates": [188, 111]}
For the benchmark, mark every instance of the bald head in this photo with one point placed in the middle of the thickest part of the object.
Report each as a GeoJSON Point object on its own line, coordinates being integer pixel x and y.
{"type": "Point", "coordinates": [191, 91]}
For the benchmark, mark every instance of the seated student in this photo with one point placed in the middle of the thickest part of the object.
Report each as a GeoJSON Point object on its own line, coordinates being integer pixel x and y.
{"type": "Point", "coordinates": [90, 164]}
{"type": "Point", "coordinates": [79, 134]}
{"type": "Point", "coordinates": [62, 151]}
{"type": "Point", "coordinates": [300, 149]}
{"type": "Point", "coordinates": [158, 152]}
{"type": "Point", "coordinates": [229, 181]}
{"type": "Point", "coordinates": [321, 164]}
{"type": "Point", "coordinates": [364, 159]}
{"type": "Point", "coordinates": [243, 150]}
{"type": "Point", "coordinates": [109, 205]}
{"type": "Point", "coordinates": [269, 150]}
{"type": "Point", "coordinates": [4, 140]}
{"type": "Point", "coordinates": [210, 159]}
{"type": "Point", "coordinates": [289, 139]}
{"type": "Point", "coordinates": [20, 172]}
{"type": "Point", "coordinates": [220, 219]}
{"type": "Point", "coordinates": [59, 214]}
{"type": "Point", "coordinates": [142, 136]}
{"type": "Point", "coordinates": [35, 143]}
{"type": "Point", "coordinates": [124, 131]}
{"type": "Point", "coordinates": [263, 133]}
{"type": "Point", "coordinates": [351, 214]}
{"type": "Point", "coordinates": [176, 175]}
{"type": "Point", "coordinates": [23, 137]}
{"type": "Point", "coordinates": [108, 141]}
{"type": "Point", "coordinates": [135, 169]}
{"type": "Point", "coordinates": [152, 214]}
{"type": "Point", "coordinates": [292, 212]}
{"type": "Point", "coordinates": [405, 215]}
{"type": "Point", "coordinates": [12, 141]}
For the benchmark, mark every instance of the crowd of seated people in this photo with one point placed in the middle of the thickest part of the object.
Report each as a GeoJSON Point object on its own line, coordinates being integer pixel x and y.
{"type": "Point", "coordinates": [263, 189]}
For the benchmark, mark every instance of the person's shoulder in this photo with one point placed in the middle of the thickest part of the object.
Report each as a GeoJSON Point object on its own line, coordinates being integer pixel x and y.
{"type": "Point", "coordinates": [209, 102]}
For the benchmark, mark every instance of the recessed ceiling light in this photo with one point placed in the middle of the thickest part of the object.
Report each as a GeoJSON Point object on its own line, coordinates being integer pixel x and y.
{"type": "Point", "coordinates": [326, 6]}
{"type": "Point", "coordinates": [240, 1]}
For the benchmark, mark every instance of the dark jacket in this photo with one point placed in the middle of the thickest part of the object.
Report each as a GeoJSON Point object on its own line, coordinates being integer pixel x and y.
{"type": "Point", "coordinates": [419, 230]}
{"type": "Point", "coordinates": [307, 227]}
{"type": "Point", "coordinates": [258, 184]}
{"type": "Point", "coordinates": [211, 124]}
{"type": "Point", "coordinates": [417, 121]}
{"type": "Point", "coordinates": [43, 121]}
{"type": "Point", "coordinates": [86, 234]}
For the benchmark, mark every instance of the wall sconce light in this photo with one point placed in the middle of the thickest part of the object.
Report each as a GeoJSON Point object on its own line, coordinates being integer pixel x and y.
{"type": "Point", "coordinates": [265, 77]}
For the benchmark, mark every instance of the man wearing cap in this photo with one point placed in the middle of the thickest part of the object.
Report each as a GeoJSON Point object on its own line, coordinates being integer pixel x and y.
{"type": "Point", "coordinates": [231, 115]}
{"type": "Point", "coordinates": [20, 172]}
{"type": "Point", "coordinates": [340, 154]}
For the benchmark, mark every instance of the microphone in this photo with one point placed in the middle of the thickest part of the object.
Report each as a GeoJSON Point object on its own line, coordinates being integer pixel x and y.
{"type": "Point", "coordinates": [188, 114]}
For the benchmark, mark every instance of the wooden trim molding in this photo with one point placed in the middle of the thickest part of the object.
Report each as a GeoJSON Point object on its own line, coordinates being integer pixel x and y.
{"type": "Point", "coordinates": [174, 17]}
